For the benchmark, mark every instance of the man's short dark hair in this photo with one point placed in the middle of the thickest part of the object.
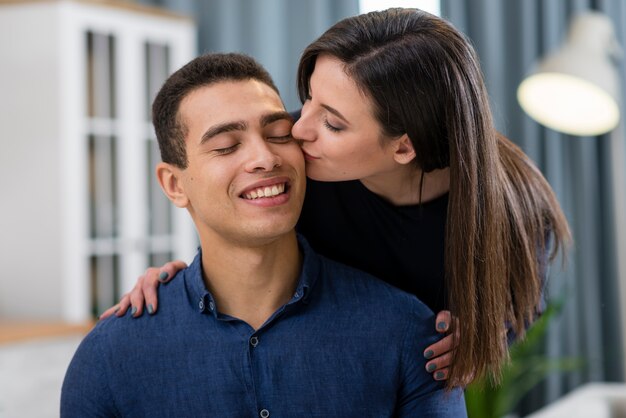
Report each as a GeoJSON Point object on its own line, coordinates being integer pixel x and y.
{"type": "Point", "coordinates": [201, 71]}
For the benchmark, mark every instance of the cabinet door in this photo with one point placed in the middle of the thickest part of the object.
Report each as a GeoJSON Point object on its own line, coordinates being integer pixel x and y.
{"type": "Point", "coordinates": [160, 232]}
{"type": "Point", "coordinates": [131, 222]}
{"type": "Point", "coordinates": [103, 148]}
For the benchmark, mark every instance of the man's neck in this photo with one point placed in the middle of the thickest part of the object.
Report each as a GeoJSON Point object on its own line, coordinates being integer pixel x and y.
{"type": "Point", "coordinates": [251, 282]}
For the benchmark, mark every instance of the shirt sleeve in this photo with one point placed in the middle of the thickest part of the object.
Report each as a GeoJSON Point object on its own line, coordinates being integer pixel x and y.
{"type": "Point", "coordinates": [421, 395]}
{"type": "Point", "coordinates": [86, 391]}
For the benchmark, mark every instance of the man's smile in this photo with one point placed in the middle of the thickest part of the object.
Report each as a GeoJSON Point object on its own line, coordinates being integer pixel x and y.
{"type": "Point", "coordinates": [267, 191]}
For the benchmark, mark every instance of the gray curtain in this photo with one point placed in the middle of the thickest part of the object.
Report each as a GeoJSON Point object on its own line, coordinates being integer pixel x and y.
{"type": "Point", "coordinates": [275, 32]}
{"type": "Point", "coordinates": [509, 37]}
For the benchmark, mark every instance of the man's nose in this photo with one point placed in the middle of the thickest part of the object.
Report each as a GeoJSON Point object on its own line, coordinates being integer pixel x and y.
{"type": "Point", "coordinates": [263, 157]}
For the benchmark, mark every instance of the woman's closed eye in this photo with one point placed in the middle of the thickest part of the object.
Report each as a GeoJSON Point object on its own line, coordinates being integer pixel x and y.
{"type": "Point", "coordinates": [331, 127]}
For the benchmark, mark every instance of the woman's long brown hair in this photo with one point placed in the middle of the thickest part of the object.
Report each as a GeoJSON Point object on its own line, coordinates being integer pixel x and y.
{"type": "Point", "coordinates": [504, 223]}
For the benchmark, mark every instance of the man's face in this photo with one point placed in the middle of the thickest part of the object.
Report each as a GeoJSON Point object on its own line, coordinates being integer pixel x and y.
{"type": "Point", "coordinates": [245, 179]}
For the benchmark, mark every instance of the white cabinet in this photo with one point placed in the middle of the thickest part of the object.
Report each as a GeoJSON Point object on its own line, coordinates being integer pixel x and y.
{"type": "Point", "coordinates": [81, 213]}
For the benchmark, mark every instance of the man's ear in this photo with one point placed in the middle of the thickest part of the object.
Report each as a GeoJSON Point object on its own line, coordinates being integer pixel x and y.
{"type": "Point", "coordinates": [169, 177]}
{"type": "Point", "coordinates": [403, 150]}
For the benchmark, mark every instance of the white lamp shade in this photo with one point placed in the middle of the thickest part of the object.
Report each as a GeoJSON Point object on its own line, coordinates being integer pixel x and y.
{"type": "Point", "coordinates": [568, 104]}
{"type": "Point", "coordinates": [575, 90]}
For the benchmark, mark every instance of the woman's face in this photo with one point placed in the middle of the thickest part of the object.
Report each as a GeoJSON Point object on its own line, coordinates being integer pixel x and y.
{"type": "Point", "coordinates": [341, 138]}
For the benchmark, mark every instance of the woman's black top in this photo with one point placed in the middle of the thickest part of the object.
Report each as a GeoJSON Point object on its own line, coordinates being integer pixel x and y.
{"type": "Point", "coordinates": [402, 245]}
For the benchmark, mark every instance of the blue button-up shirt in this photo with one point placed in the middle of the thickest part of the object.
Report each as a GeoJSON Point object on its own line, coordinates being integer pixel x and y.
{"type": "Point", "coordinates": [345, 345]}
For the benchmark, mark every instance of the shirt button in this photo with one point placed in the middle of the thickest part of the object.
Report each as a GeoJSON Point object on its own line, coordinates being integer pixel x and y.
{"type": "Point", "coordinates": [264, 413]}
{"type": "Point", "coordinates": [201, 305]}
{"type": "Point", "coordinates": [211, 306]}
{"type": "Point", "coordinates": [296, 295]}
{"type": "Point", "coordinates": [254, 341]}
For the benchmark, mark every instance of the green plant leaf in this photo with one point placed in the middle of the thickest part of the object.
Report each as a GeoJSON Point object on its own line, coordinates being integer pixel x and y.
{"type": "Point", "coordinates": [527, 368]}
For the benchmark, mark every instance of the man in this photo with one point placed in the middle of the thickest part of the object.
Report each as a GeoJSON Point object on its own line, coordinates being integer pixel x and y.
{"type": "Point", "coordinates": [258, 325]}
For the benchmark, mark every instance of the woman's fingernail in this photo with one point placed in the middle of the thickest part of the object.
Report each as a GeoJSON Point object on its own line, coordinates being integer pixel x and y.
{"type": "Point", "coordinates": [150, 309]}
{"type": "Point", "coordinates": [442, 325]}
{"type": "Point", "coordinates": [439, 375]}
{"type": "Point", "coordinates": [133, 311]}
{"type": "Point", "coordinates": [431, 367]}
{"type": "Point", "coordinates": [163, 275]}
{"type": "Point", "coordinates": [429, 353]}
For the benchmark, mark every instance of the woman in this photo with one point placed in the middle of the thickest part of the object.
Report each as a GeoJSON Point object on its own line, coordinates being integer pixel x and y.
{"type": "Point", "coordinates": [412, 183]}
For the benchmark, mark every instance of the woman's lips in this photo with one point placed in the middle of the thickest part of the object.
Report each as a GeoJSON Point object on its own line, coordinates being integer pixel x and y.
{"type": "Point", "coordinates": [309, 157]}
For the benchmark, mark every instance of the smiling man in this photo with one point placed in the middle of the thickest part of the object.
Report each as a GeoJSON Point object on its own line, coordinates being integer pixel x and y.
{"type": "Point", "coordinates": [258, 324]}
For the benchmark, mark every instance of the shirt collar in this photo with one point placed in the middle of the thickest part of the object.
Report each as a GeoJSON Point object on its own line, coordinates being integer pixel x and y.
{"type": "Point", "coordinates": [199, 297]}
{"type": "Point", "coordinates": [202, 300]}
{"type": "Point", "coordinates": [308, 274]}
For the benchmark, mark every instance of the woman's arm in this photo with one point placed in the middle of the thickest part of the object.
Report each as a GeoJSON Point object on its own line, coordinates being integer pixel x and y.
{"type": "Point", "coordinates": [144, 292]}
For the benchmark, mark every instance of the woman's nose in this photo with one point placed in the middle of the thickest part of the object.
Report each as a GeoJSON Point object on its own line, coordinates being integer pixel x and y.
{"type": "Point", "coordinates": [302, 130]}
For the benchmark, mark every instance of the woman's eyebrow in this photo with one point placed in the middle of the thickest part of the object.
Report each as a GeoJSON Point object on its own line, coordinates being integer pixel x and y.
{"type": "Point", "coordinates": [335, 112]}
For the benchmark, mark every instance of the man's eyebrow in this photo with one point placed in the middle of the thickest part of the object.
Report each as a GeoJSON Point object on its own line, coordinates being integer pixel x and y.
{"type": "Point", "coordinates": [221, 128]}
{"type": "Point", "coordinates": [273, 117]}
{"type": "Point", "coordinates": [242, 126]}
{"type": "Point", "coordinates": [335, 112]}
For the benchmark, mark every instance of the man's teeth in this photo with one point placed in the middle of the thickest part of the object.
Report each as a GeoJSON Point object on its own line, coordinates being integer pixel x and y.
{"type": "Point", "coordinates": [265, 191]}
